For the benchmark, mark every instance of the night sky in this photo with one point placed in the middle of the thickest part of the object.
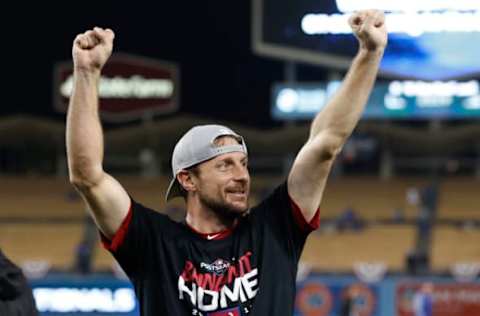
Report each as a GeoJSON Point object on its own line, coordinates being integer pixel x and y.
{"type": "Point", "coordinates": [210, 41]}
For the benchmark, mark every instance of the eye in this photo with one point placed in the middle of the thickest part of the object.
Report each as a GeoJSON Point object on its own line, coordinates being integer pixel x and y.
{"type": "Point", "coordinates": [222, 165]}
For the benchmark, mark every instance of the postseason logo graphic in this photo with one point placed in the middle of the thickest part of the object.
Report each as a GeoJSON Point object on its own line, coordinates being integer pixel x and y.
{"type": "Point", "coordinates": [218, 267]}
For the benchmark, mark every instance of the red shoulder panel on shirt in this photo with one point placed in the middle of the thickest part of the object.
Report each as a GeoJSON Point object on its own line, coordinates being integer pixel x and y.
{"type": "Point", "coordinates": [300, 219]}
{"type": "Point", "coordinates": [113, 244]}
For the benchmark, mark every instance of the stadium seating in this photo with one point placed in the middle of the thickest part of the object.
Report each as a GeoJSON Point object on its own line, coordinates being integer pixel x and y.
{"type": "Point", "coordinates": [42, 218]}
{"type": "Point", "coordinates": [340, 251]}
{"type": "Point", "coordinates": [459, 198]}
{"type": "Point", "coordinates": [53, 243]}
{"type": "Point", "coordinates": [451, 245]}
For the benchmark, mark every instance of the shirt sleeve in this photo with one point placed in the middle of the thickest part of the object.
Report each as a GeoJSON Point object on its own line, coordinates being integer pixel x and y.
{"type": "Point", "coordinates": [132, 245]}
{"type": "Point", "coordinates": [283, 218]}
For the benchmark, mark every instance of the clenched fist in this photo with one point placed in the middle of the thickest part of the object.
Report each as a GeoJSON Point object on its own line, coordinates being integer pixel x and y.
{"type": "Point", "coordinates": [369, 27]}
{"type": "Point", "coordinates": [92, 49]}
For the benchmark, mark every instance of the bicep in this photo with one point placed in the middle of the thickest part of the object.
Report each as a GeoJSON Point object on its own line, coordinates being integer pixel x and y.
{"type": "Point", "coordinates": [309, 173]}
{"type": "Point", "coordinates": [108, 203]}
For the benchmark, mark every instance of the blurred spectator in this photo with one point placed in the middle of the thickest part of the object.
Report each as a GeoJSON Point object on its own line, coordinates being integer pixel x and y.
{"type": "Point", "coordinates": [423, 301]}
{"type": "Point", "coordinates": [148, 162]}
{"type": "Point", "coordinates": [83, 262]}
{"type": "Point", "coordinates": [398, 215]}
{"type": "Point", "coordinates": [86, 248]}
{"type": "Point", "coordinates": [429, 197]}
{"type": "Point", "coordinates": [418, 261]}
{"type": "Point", "coordinates": [349, 219]}
{"type": "Point", "coordinates": [347, 305]}
{"type": "Point", "coordinates": [16, 297]}
{"type": "Point", "coordinates": [413, 196]}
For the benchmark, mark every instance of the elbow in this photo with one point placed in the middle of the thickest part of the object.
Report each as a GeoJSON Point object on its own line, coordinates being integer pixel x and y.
{"type": "Point", "coordinates": [329, 146]}
{"type": "Point", "coordinates": [84, 176]}
{"type": "Point", "coordinates": [329, 153]}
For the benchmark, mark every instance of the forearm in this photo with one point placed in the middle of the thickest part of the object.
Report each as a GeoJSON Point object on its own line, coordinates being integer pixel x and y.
{"type": "Point", "coordinates": [332, 126]}
{"type": "Point", "coordinates": [341, 114]}
{"type": "Point", "coordinates": [84, 132]}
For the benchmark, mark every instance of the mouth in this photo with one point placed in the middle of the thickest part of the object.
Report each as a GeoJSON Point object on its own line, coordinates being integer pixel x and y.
{"type": "Point", "coordinates": [237, 193]}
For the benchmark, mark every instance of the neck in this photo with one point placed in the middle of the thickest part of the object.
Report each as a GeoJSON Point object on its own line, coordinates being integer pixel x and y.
{"type": "Point", "coordinates": [205, 220]}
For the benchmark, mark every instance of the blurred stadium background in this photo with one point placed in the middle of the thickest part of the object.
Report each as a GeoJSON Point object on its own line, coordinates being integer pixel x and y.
{"type": "Point", "coordinates": [402, 205]}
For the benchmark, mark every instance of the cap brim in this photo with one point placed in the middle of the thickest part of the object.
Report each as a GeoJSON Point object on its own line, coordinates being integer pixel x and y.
{"type": "Point", "coordinates": [173, 190]}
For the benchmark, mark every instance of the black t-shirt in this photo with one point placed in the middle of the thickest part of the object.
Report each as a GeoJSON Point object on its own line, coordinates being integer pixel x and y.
{"type": "Point", "coordinates": [250, 271]}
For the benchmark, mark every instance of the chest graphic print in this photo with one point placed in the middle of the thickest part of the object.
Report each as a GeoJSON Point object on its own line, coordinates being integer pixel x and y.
{"type": "Point", "coordinates": [219, 288]}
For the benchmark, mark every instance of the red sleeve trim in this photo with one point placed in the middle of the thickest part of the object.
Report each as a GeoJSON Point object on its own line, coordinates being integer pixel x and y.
{"type": "Point", "coordinates": [301, 221]}
{"type": "Point", "coordinates": [117, 239]}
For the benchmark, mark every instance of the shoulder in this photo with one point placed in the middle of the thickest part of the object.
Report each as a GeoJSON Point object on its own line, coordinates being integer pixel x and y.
{"type": "Point", "coordinates": [151, 216]}
{"type": "Point", "coordinates": [275, 197]}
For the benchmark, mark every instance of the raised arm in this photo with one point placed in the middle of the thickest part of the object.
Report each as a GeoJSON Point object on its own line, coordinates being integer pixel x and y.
{"type": "Point", "coordinates": [106, 198]}
{"type": "Point", "coordinates": [334, 124]}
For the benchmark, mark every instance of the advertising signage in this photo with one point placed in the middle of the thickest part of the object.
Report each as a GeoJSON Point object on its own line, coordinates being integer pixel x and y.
{"type": "Point", "coordinates": [448, 299]}
{"type": "Point", "coordinates": [130, 87]}
{"type": "Point", "coordinates": [389, 100]}
{"type": "Point", "coordinates": [428, 39]}
{"type": "Point", "coordinates": [84, 297]}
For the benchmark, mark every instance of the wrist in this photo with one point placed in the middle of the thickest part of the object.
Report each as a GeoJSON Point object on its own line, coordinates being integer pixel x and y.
{"type": "Point", "coordinates": [86, 70]}
{"type": "Point", "coordinates": [86, 73]}
{"type": "Point", "coordinates": [375, 54]}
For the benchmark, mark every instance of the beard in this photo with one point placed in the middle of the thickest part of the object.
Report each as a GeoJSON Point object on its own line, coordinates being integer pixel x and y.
{"type": "Point", "coordinates": [223, 209]}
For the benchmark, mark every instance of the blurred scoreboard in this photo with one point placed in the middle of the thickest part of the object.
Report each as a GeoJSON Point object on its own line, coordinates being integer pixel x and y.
{"type": "Point", "coordinates": [389, 100]}
{"type": "Point", "coordinates": [428, 39]}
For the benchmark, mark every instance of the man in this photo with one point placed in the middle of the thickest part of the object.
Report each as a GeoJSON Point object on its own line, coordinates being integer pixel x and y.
{"type": "Point", "coordinates": [16, 297]}
{"type": "Point", "coordinates": [423, 300]}
{"type": "Point", "coordinates": [226, 259]}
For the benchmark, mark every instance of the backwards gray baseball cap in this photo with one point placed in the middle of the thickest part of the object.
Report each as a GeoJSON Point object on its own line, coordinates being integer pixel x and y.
{"type": "Point", "coordinates": [196, 146]}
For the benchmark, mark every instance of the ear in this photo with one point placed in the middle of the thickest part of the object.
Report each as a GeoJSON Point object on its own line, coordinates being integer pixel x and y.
{"type": "Point", "coordinates": [187, 181]}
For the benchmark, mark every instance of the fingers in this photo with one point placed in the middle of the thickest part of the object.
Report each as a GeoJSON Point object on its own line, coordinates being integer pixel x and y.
{"type": "Point", "coordinates": [379, 19]}
{"type": "Point", "coordinates": [369, 28]}
{"type": "Point", "coordinates": [92, 38]}
{"type": "Point", "coordinates": [86, 40]}
{"type": "Point", "coordinates": [366, 19]}
{"type": "Point", "coordinates": [104, 35]}
{"type": "Point", "coordinates": [357, 18]}
{"type": "Point", "coordinates": [374, 18]}
{"type": "Point", "coordinates": [81, 41]}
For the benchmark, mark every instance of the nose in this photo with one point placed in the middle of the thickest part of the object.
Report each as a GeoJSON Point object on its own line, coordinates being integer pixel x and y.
{"type": "Point", "coordinates": [241, 173]}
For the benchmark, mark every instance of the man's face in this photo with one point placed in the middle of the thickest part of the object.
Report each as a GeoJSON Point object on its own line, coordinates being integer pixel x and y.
{"type": "Point", "coordinates": [223, 183]}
